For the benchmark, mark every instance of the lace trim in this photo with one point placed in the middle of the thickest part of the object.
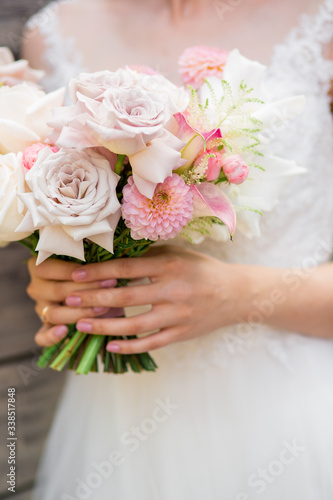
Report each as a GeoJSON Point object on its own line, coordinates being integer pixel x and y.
{"type": "Point", "coordinates": [61, 55]}
{"type": "Point", "coordinates": [301, 54]}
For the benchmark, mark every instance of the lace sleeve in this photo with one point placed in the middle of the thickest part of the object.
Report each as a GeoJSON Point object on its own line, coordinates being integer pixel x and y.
{"type": "Point", "coordinates": [303, 56]}
{"type": "Point", "coordinates": [61, 57]}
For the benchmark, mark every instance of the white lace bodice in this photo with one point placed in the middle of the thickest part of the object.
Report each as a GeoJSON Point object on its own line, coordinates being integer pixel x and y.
{"type": "Point", "coordinates": [299, 231]}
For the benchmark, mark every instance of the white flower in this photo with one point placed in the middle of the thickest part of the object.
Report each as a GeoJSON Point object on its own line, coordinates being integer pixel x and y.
{"type": "Point", "coordinates": [129, 113]}
{"type": "Point", "coordinates": [263, 188]}
{"type": "Point", "coordinates": [11, 208]}
{"type": "Point", "coordinates": [13, 72]}
{"type": "Point", "coordinates": [24, 112]}
{"type": "Point", "coordinates": [73, 196]}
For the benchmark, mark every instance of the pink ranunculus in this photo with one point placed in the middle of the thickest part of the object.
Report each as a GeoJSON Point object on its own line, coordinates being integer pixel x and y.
{"type": "Point", "coordinates": [13, 72]}
{"type": "Point", "coordinates": [235, 169]}
{"type": "Point", "coordinates": [200, 62]}
{"type": "Point", "coordinates": [161, 217]}
{"type": "Point", "coordinates": [214, 163]}
{"type": "Point", "coordinates": [30, 154]}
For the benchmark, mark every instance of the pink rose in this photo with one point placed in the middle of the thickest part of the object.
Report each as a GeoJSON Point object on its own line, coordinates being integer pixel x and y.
{"type": "Point", "coordinates": [13, 72]}
{"type": "Point", "coordinates": [235, 170]}
{"type": "Point", "coordinates": [30, 154]}
{"type": "Point", "coordinates": [200, 62]}
{"type": "Point", "coordinates": [214, 163]}
{"type": "Point", "coordinates": [70, 195]}
{"type": "Point", "coordinates": [128, 113]}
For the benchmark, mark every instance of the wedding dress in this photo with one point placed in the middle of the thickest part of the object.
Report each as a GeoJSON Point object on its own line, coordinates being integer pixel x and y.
{"type": "Point", "coordinates": [246, 412]}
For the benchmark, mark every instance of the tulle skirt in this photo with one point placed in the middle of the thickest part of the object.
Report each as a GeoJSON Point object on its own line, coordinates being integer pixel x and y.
{"type": "Point", "coordinates": [241, 425]}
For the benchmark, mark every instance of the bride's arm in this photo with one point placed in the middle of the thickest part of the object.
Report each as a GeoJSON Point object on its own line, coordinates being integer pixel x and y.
{"type": "Point", "coordinates": [33, 48]}
{"type": "Point", "coordinates": [192, 294]}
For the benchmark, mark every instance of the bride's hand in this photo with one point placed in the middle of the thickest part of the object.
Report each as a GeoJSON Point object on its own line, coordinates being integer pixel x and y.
{"type": "Point", "coordinates": [50, 284]}
{"type": "Point", "coordinates": [191, 294]}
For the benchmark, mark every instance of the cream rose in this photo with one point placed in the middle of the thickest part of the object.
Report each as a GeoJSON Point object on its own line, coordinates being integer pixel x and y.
{"type": "Point", "coordinates": [128, 113]}
{"type": "Point", "coordinates": [11, 208]}
{"type": "Point", "coordinates": [73, 196]}
{"type": "Point", "coordinates": [13, 72]}
{"type": "Point", "coordinates": [24, 112]}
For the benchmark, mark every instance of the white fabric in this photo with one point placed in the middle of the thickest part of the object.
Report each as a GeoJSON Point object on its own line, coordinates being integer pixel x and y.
{"type": "Point", "coordinates": [253, 407]}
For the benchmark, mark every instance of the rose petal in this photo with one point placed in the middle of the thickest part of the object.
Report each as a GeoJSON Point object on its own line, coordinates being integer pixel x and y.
{"type": "Point", "coordinates": [156, 162]}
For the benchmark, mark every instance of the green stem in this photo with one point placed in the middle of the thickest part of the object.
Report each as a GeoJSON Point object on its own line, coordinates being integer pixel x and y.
{"type": "Point", "coordinates": [89, 357]}
{"type": "Point", "coordinates": [119, 164]}
{"type": "Point", "coordinates": [65, 354]}
{"type": "Point", "coordinates": [47, 354]}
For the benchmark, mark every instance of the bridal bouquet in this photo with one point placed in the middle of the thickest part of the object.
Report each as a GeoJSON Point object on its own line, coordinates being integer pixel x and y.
{"type": "Point", "coordinates": [133, 160]}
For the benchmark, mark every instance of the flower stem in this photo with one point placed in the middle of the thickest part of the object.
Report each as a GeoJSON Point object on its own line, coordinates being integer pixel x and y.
{"type": "Point", "coordinates": [89, 357]}
{"type": "Point", "coordinates": [119, 164]}
{"type": "Point", "coordinates": [47, 354]}
{"type": "Point", "coordinates": [65, 354]}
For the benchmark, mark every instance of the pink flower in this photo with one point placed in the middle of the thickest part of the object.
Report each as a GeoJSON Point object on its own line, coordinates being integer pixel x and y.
{"type": "Point", "coordinates": [30, 154]}
{"type": "Point", "coordinates": [14, 72]}
{"type": "Point", "coordinates": [235, 170]}
{"type": "Point", "coordinates": [164, 215]}
{"type": "Point", "coordinates": [197, 63]}
{"type": "Point", "coordinates": [214, 163]}
{"type": "Point", "coordinates": [194, 137]}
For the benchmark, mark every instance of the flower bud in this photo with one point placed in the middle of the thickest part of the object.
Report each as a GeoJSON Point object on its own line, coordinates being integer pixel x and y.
{"type": "Point", "coordinates": [235, 169]}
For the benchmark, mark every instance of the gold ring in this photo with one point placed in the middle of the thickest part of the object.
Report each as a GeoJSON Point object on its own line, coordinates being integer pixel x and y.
{"type": "Point", "coordinates": [43, 314]}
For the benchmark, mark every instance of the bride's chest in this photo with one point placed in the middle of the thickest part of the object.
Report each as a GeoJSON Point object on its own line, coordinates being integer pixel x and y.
{"type": "Point", "coordinates": [112, 38]}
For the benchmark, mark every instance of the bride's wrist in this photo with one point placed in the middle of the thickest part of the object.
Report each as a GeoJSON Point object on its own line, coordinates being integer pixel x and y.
{"type": "Point", "coordinates": [258, 291]}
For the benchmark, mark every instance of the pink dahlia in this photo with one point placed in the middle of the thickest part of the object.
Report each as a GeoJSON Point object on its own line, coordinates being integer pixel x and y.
{"type": "Point", "coordinates": [164, 215]}
{"type": "Point", "coordinates": [30, 154]}
{"type": "Point", "coordinates": [200, 62]}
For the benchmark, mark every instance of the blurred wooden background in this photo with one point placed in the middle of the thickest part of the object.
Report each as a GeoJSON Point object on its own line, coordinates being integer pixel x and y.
{"type": "Point", "coordinates": [13, 16]}
{"type": "Point", "coordinates": [36, 391]}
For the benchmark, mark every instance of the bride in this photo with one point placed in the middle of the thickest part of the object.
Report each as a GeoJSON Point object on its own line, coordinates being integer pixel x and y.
{"type": "Point", "coordinates": [241, 406]}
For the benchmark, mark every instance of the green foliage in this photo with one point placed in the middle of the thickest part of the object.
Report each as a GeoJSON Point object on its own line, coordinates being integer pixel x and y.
{"type": "Point", "coordinates": [80, 351]}
{"type": "Point", "coordinates": [200, 225]}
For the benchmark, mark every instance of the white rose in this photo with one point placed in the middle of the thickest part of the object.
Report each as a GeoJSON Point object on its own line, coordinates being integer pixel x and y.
{"type": "Point", "coordinates": [13, 72]}
{"type": "Point", "coordinates": [93, 85]}
{"type": "Point", "coordinates": [11, 208]}
{"type": "Point", "coordinates": [24, 112]}
{"type": "Point", "coordinates": [73, 196]}
{"type": "Point", "coordinates": [128, 113]}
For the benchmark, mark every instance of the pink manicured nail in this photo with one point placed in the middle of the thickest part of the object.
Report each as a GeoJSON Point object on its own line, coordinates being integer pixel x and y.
{"type": "Point", "coordinates": [73, 301]}
{"type": "Point", "coordinates": [84, 327]}
{"type": "Point", "coordinates": [101, 309]}
{"type": "Point", "coordinates": [79, 275]}
{"type": "Point", "coordinates": [60, 331]}
{"type": "Point", "coordinates": [108, 283]}
{"type": "Point", "coordinates": [113, 348]}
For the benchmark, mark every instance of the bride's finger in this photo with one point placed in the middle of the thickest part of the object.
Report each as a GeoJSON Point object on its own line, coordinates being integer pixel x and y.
{"type": "Point", "coordinates": [116, 297]}
{"type": "Point", "coordinates": [54, 314]}
{"type": "Point", "coordinates": [48, 335]}
{"type": "Point", "coordinates": [57, 291]}
{"type": "Point", "coordinates": [140, 267]}
{"type": "Point", "coordinates": [52, 269]}
{"type": "Point", "coordinates": [150, 343]}
{"type": "Point", "coordinates": [157, 318]}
